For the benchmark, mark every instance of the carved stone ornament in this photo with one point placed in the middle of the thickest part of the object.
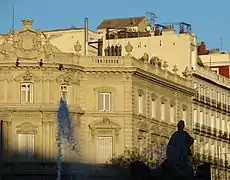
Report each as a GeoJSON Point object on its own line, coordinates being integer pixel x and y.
{"type": "Point", "coordinates": [143, 126]}
{"type": "Point", "coordinates": [129, 48]}
{"type": "Point", "coordinates": [165, 65]}
{"type": "Point", "coordinates": [145, 57]}
{"type": "Point", "coordinates": [153, 96]}
{"type": "Point", "coordinates": [106, 123]}
{"type": "Point", "coordinates": [175, 69]}
{"type": "Point", "coordinates": [27, 44]}
{"type": "Point", "coordinates": [186, 72]}
{"type": "Point", "coordinates": [26, 128]}
{"type": "Point", "coordinates": [78, 48]}
{"type": "Point", "coordinates": [67, 78]}
{"type": "Point", "coordinates": [172, 103]}
{"type": "Point", "coordinates": [27, 76]}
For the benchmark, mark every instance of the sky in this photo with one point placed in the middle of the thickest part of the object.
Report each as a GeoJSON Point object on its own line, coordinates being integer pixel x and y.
{"type": "Point", "coordinates": [209, 19]}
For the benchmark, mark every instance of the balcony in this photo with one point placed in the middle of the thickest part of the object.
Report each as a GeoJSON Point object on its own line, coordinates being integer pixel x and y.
{"type": "Point", "coordinates": [201, 98]}
{"type": "Point", "coordinates": [203, 128]}
{"type": "Point", "coordinates": [219, 105]}
{"type": "Point", "coordinates": [208, 100]}
{"type": "Point", "coordinates": [209, 130]}
{"type": "Point", "coordinates": [224, 107]}
{"type": "Point", "coordinates": [214, 131]}
{"type": "Point", "coordinates": [213, 102]}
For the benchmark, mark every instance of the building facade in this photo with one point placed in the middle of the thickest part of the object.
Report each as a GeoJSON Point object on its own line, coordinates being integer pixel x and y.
{"type": "Point", "coordinates": [211, 105]}
{"type": "Point", "coordinates": [116, 102]}
{"type": "Point", "coordinates": [211, 119]}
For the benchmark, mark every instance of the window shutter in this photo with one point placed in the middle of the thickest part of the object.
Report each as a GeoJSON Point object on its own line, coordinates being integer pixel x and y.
{"type": "Point", "coordinates": [31, 93]}
{"type": "Point", "coordinates": [104, 149]}
{"type": "Point", "coordinates": [107, 102]}
{"type": "Point", "coordinates": [23, 93]}
{"type": "Point", "coordinates": [140, 103]}
{"type": "Point", "coordinates": [172, 114]}
{"type": "Point", "coordinates": [30, 145]}
{"type": "Point", "coordinates": [162, 111]}
{"type": "Point", "coordinates": [100, 101]}
{"type": "Point", "coordinates": [22, 144]}
{"type": "Point", "coordinates": [153, 108]}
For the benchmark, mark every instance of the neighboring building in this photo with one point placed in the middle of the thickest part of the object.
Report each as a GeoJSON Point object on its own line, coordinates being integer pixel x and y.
{"type": "Point", "coordinates": [211, 118]}
{"type": "Point", "coordinates": [116, 103]}
{"type": "Point", "coordinates": [182, 49]}
{"type": "Point", "coordinates": [177, 48]}
{"type": "Point", "coordinates": [217, 60]}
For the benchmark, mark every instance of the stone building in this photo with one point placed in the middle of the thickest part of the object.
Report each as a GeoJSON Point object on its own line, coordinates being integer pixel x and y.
{"type": "Point", "coordinates": [211, 119]}
{"type": "Point", "coordinates": [116, 102]}
{"type": "Point", "coordinates": [211, 105]}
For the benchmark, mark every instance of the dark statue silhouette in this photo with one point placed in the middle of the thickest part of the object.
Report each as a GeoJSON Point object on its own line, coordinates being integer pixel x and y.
{"type": "Point", "coordinates": [177, 165]}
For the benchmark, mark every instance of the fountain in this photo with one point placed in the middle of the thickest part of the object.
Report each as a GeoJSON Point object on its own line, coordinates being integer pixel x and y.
{"type": "Point", "coordinates": [65, 133]}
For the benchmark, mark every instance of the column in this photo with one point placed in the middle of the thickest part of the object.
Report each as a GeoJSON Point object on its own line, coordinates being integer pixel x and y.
{"type": "Point", "coordinates": [51, 140]}
{"type": "Point", "coordinates": [5, 87]}
{"type": "Point", "coordinates": [5, 140]}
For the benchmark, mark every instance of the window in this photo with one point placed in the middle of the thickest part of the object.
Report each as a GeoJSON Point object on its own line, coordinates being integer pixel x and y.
{"type": "Point", "coordinates": [26, 145]}
{"type": "Point", "coordinates": [64, 92]}
{"type": "Point", "coordinates": [218, 122]}
{"type": "Point", "coordinates": [201, 117]}
{"type": "Point", "coordinates": [140, 103]}
{"type": "Point", "coordinates": [212, 121]}
{"type": "Point", "coordinates": [104, 101]}
{"type": "Point", "coordinates": [216, 70]}
{"type": "Point", "coordinates": [172, 113]}
{"type": "Point", "coordinates": [26, 93]}
{"type": "Point", "coordinates": [153, 106]}
{"type": "Point", "coordinates": [218, 97]}
{"type": "Point", "coordinates": [184, 115]}
{"type": "Point", "coordinates": [104, 149]}
{"type": "Point", "coordinates": [195, 116]}
{"type": "Point", "coordinates": [162, 111]}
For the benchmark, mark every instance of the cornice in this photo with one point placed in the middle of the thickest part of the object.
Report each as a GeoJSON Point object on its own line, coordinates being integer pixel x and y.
{"type": "Point", "coordinates": [164, 82]}
{"type": "Point", "coordinates": [38, 108]}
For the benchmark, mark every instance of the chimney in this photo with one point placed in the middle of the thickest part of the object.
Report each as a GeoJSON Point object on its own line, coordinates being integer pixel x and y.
{"type": "Point", "coordinates": [202, 49]}
{"type": "Point", "coordinates": [86, 29]}
{"type": "Point", "coordinates": [27, 24]}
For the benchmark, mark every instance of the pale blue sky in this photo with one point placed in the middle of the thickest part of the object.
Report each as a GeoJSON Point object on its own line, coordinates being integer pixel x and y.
{"type": "Point", "coordinates": [209, 19]}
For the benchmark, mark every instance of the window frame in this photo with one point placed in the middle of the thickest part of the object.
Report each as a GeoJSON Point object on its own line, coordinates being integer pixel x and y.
{"type": "Point", "coordinates": [26, 154]}
{"type": "Point", "coordinates": [28, 99]}
{"type": "Point", "coordinates": [104, 101]}
{"type": "Point", "coordinates": [64, 91]}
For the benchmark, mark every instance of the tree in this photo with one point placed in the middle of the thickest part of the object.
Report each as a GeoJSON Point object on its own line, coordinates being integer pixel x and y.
{"type": "Point", "coordinates": [152, 156]}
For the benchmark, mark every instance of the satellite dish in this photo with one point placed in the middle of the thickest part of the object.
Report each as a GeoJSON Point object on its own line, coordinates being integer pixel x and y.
{"type": "Point", "coordinates": [148, 28]}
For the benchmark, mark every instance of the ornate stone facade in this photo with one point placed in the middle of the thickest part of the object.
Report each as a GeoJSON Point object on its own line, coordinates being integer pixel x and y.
{"type": "Point", "coordinates": [116, 103]}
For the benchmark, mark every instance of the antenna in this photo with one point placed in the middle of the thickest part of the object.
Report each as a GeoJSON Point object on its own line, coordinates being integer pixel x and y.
{"type": "Point", "coordinates": [12, 30]}
{"type": "Point", "coordinates": [221, 44]}
{"type": "Point", "coordinates": [152, 19]}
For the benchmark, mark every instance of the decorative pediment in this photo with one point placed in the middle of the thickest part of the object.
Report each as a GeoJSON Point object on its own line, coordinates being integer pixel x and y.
{"type": "Point", "coordinates": [153, 96]}
{"type": "Point", "coordinates": [106, 123]}
{"type": "Point", "coordinates": [184, 107]}
{"type": "Point", "coordinates": [155, 129]}
{"type": "Point", "coordinates": [26, 128]}
{"type": "Point", "coordinates": [143, 126]}
{"type": "Point", "coordinates": [163, 100]}
{"type": "Point", "coordinates": [27, 44]}
{"type": "Point", "coordinates": [140, 92]}
{"type": "Point", "coordinates": [172, 103]}
{"type": "Point", "coordinates": [67, 78]}
{"type": "Point", "coordinates": [27, 76]}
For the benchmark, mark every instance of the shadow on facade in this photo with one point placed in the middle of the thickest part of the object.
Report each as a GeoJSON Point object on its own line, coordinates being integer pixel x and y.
{"type": "Point", "coordinates": [14, 165]}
